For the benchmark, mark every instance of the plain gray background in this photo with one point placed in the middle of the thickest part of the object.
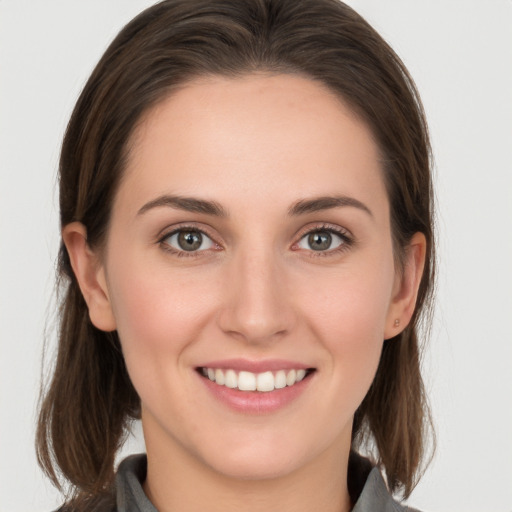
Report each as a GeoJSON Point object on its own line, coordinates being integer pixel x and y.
{"type": "Point", "coordinates": [460, 54]}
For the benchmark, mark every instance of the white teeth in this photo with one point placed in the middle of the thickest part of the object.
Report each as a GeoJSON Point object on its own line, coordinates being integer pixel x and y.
{"type": "Point", "coordinates": [219, 377]}
{"type": "Point", "coordinates": [231, 379]}
{"type": "Point", "coordinates": [265, 381]}
{"type": "Point", "coordinates": [290, 377]}
{"type": "Point", "coordinates": [300, 375]}
{"type": "Point", "coordinates": [280, 380]}
{"type": "Point", "coordinates": [248, 381]}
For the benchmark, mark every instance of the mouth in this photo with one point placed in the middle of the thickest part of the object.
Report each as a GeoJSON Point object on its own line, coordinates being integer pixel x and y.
{"type": "Point", "coordinates": [263, 382]}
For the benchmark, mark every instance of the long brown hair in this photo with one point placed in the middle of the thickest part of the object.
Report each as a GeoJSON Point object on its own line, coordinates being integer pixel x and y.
{"type": "Point", "coordinates": [90, 400]}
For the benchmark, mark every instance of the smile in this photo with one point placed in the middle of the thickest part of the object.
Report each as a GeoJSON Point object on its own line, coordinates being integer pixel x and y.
{"type": "Point", "coordinates": [249, 381]}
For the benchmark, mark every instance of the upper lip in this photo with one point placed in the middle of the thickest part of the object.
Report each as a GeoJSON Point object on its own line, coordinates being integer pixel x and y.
{"type": "Point", "coordinates": [255, 366]}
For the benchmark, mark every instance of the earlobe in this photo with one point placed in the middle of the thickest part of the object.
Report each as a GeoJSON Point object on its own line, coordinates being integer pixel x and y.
{"type": "Point", "coordinates": [90, 274]}
{"type": "Point", "coordinates": [406, 287]}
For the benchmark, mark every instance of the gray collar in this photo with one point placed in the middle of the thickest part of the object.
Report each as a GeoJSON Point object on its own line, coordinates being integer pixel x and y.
{"type": "Point", "coordinates": [375, 496]}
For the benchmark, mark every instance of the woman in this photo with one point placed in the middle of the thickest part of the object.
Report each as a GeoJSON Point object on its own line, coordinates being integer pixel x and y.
{"type": "Point", "coordinates": [247, 242]}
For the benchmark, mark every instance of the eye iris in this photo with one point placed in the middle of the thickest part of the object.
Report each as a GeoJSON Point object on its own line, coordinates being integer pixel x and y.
{"type": "Point", "coordinates": [190, 240]}
{"type": "Point", "coordinates": [320, 240]}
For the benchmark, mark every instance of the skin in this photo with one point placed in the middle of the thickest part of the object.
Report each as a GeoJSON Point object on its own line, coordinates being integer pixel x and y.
{"type": "Point", "coordinates": [255, 145]}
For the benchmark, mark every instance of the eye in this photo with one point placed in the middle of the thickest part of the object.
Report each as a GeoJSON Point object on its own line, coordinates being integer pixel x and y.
{"type": "Point", "coordinates": [188, 240]}
{"type": "Point", "coordinates": [321, 240]}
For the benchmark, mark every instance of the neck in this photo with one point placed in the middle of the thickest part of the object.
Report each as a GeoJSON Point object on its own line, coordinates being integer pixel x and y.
{"type": "Point", "coordinates": [177, 481]}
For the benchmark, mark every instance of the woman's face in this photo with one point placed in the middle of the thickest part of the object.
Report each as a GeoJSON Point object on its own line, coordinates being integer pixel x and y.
{"type": "Point", "coordinates": [250, 243]}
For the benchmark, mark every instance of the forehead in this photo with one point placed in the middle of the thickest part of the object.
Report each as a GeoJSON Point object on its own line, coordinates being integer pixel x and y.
{"type": "Point", "coordinates": [258, 133]}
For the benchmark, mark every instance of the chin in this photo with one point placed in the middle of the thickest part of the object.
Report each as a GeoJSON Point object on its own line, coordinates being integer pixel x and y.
{"type": "Point", "coordinates": [260, 468]}
{"type": "Point", "coordinates": [259, 458]}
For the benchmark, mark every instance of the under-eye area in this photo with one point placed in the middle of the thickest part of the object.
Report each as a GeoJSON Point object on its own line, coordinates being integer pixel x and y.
{"type": "Point", "coordinates": [249, 381]}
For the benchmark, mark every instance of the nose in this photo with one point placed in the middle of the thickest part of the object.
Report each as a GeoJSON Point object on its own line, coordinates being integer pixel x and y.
{"type": "Point", "coordinates": [257, 305]}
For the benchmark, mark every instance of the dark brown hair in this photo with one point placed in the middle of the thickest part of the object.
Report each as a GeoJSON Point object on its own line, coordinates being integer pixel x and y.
{"type": "Point", "coordinates": [90, 400]}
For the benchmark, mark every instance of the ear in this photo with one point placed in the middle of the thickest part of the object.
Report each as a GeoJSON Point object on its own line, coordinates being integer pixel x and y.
{"type": "Point", "coordinates": [90, 274]}
{"type": "Point", "coordinates": [405, 290]}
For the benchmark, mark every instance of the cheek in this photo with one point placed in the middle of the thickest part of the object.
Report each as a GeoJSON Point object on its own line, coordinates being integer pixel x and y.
{"type": "Point", "coordinates": [351, 305]}
{"type": "Point", "coordinates": [348, 313]}
{"type": "Point", "coordinates": [158, 314]}
{"type": "Point", "coordinates": [156, 302]}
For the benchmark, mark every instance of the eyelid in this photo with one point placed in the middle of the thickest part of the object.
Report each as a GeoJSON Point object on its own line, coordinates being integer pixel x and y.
{"type": "Point", "coordinates": [324, 226]}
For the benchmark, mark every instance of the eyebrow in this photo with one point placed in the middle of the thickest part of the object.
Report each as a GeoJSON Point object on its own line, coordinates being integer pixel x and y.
{"type": "Point", "coordinates": [318, 204]}
{"type": "Point", "coordinates": [301, 207]}
{"type": "Point", "coordinates": [189, 204]}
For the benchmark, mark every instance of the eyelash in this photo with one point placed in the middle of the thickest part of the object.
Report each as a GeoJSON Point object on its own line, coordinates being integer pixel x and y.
{"type": "Point", "coordinates": [347, 241]}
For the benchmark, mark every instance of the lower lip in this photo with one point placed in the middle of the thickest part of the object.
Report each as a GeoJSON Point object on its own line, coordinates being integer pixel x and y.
{"type": "Point", "coordinates": [257, 402]}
